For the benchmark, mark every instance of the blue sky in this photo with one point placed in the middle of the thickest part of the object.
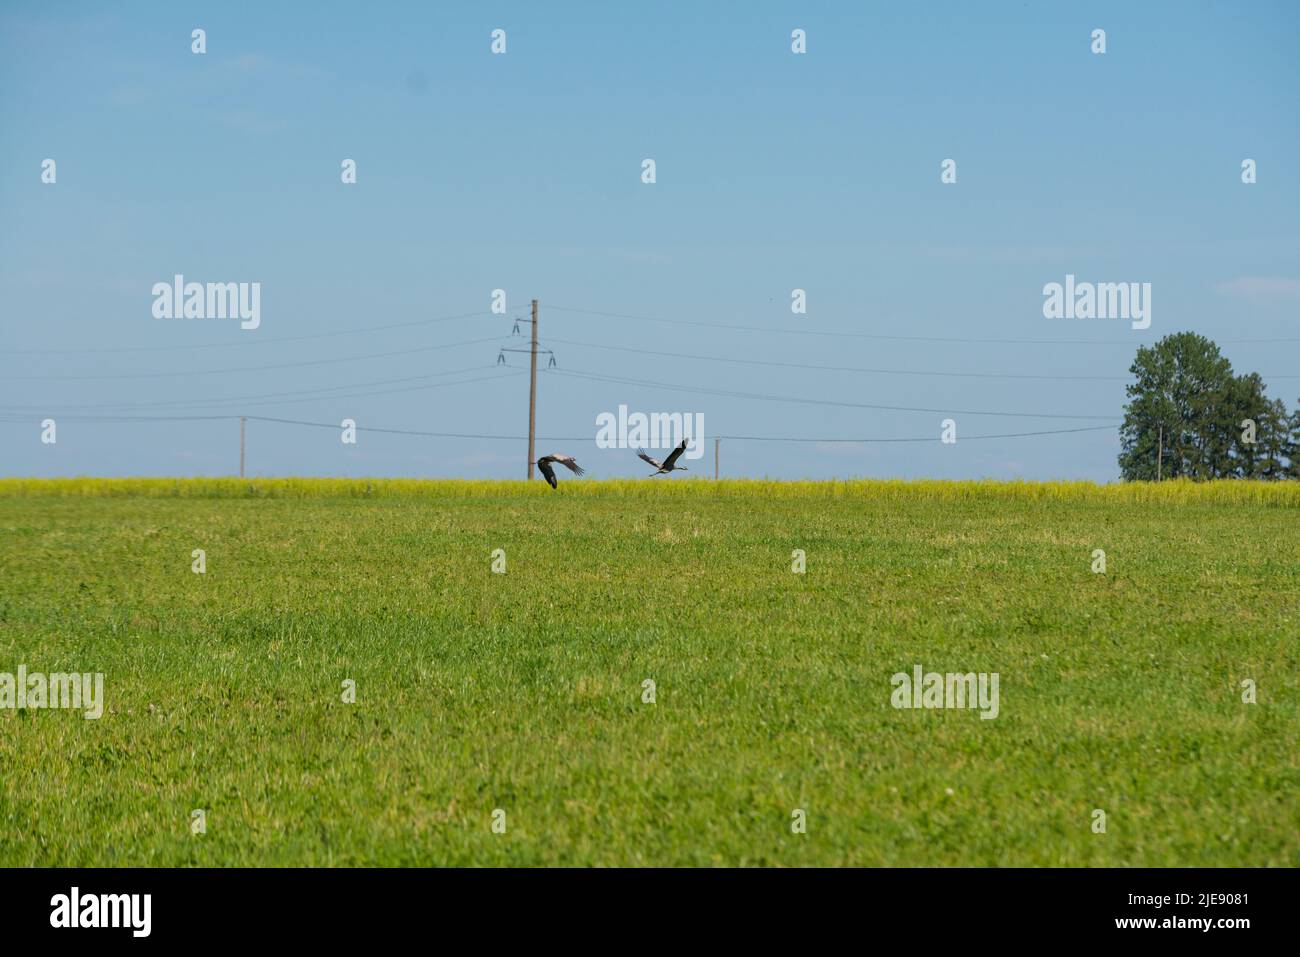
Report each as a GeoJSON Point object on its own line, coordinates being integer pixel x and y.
{"type": "Point", "coordinates": [521, 171]}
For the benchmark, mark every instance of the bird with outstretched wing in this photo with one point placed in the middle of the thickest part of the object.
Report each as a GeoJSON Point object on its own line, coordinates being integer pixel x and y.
{"type": "Point", "coordinates": [568, 461]}
{"type": "Point", "coordinates": [667, 465]}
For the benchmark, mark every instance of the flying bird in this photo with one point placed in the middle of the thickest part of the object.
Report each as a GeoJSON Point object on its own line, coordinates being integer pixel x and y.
{"type": "Point", "coordinates": [544, 464]}
{"type": "Point", "coordinates": [668, 464]}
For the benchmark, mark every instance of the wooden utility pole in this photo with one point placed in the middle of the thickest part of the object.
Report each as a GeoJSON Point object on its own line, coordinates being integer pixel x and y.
{"type": "Point", "coordinates": [1160, 455]}
{"type": "Point", "coordinates": [717, 450]}
{"type": "Point", "coordinates": [532, 399]}
{"type": "Point", "coordinates": [243, 420]}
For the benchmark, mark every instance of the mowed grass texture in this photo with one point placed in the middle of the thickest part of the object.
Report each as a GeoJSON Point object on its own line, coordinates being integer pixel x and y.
{"type": "Point", "coordinates": [523, 691]}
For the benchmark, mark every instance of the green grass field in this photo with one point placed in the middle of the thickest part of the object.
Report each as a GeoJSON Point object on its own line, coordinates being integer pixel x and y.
{"type": "Point", "coordinates": [523, 691]}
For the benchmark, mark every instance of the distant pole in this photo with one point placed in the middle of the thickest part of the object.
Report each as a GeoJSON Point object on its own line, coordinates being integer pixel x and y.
{"type": "Point", "coordinates": [1160, 455]}
{"type": "Point", "coordinates": [243, 420]}
{"type": "Point", "coordinates": [532, 399]}
{"type": "Point", "coordinates": [717, 450]}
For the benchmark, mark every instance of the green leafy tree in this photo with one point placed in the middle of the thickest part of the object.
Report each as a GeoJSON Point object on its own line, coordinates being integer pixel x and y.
{"type": "Point", "coordinates": [1283, 451]}
{"type": "Point", "coordinates": [1272, 442]}
{"type": "Point", "coordinates": [1293, 443]}
{"type": "Point", "coordinates": [1168, 426]}
{"type": "Point", "coordinates": [1261, 448]}
{"type": "Point", "coordinates": [1189, 415]}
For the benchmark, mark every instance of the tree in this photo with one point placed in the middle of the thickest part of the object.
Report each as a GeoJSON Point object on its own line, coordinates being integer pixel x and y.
{"type": "Point", "coordinates": [1293, 443]}
{"type": "Point", "coordinates": [1266, 421]}
{"type": "Point", "coordinates": [1279, 457]}
{"type": "Point", "coordinates": [1167, 424]}
{"type": "Point", "coordinates": [1189, 415]}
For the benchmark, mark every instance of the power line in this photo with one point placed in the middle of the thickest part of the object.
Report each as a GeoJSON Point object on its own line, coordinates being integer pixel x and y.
{"type": "Point", "coordinates": [803, 401]}
{"type": "Point", "coordinates": [336, 392]}
{"type": "Point", "coordinates": [542, 438]}
{"type": "Point", "coordinates": [414, 388]}
{"type": "Point", "coordinates": [246, 340]}
{"type": "Point", "coordinates": [415, 432]}
{"type": "Point", "coordinates": [930, 438]}
{"type": "Point", "coordinates": [350, 395]}
{"type": "Point", "coordinates": [195, 403]}
{"type": "Point", "coordinates": [800, 365]}
{"type": "Point", "coordinates": [303, 422]}
{"type": "Point", "coordinates": [867, 335]}
{"type": "Point", "coordinates": [280, 365]}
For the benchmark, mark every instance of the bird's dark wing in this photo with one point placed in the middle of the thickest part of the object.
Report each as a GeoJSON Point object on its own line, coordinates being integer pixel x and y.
{"type": "Point", "coordinates": [640, 453]}
{"type": "Point", "coordinates": [544, 464]}
{"type": "Point", "coordinates": [676, 454]}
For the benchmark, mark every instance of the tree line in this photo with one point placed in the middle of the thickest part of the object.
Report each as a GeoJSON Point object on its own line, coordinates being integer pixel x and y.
{"type": "Point", "coordinates": [1189, 415]}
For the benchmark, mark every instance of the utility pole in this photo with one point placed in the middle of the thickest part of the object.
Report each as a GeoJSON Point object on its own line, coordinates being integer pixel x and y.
{"type": "Point", "coordinates": [1160, 455]}
{"type": "Point", "coordinates": [717, 449]}
{"type": "Point", "coordinates": [532, 399]}
{"type": "Point", "coordinates": [243, 420]}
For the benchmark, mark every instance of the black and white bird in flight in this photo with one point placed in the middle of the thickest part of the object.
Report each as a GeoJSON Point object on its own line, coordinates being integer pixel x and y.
{"type": "Point", "coordinates": [667, 465]}
{"type": "Point", "coordinates": [544, 464]}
